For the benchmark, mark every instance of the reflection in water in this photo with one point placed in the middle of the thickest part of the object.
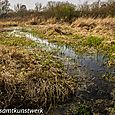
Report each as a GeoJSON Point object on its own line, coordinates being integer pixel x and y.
{"type": "Point", "coordinates": [90, 62]}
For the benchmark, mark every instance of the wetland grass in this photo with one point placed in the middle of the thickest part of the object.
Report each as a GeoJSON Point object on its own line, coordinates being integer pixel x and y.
{"type": "Point", "coordinates": [92, 41]}
{"type": "Point", "coordinates": [36, 78]}
{"type": "Point", "coordinates": [33, 78]}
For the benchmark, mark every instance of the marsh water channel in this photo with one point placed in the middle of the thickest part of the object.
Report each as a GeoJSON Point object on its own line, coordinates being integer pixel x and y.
{"type": "Point", "coordinates": [89, 69]}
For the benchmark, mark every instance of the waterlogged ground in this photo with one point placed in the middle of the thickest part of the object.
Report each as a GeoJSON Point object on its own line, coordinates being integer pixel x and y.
{"type": "Point", "coordinates": [72, 65]}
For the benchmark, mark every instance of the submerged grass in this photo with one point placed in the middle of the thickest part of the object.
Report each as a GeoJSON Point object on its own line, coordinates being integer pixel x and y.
{"type": "Point", "coordinates": [30, 79]}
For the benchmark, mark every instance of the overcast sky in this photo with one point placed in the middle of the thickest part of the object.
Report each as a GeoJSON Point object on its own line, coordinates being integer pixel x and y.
{"type": "Point", "coordinates": [31, 3]}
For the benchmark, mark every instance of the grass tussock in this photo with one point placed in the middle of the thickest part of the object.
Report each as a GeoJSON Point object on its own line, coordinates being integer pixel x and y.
{"type": "Point", "coordinates": [32, 79]}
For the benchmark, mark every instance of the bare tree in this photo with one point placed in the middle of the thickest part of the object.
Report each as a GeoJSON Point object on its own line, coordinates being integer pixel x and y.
{"type": "Point", "coordinates": [4, 7]}
{"type": "Point", "coordinates": [20, 8]}
{"type": "Point", "coordinates": [38, 7]}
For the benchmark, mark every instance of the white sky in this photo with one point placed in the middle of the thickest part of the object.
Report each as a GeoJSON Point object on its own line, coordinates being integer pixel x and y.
{"type": "Point", "coordinates": [31, 3]}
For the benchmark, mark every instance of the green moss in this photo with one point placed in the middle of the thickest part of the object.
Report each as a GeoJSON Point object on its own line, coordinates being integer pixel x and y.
{"type": "Point", "coordinates": [93, 41]}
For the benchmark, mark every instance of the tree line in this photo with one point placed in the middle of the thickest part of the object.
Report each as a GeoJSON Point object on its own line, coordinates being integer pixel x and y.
{"type": "Point", "coordinates": [59, 10]}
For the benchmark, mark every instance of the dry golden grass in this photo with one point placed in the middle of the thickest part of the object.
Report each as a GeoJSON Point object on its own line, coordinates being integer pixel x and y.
{"type": "Point", "coordinates": [83, 26]}
{"type": "Point", "coordinates": [100, 21]}
{"type": "Point", "coordinates": [8, 23]}
{"type": "Point", "coordinates": [102, 27]}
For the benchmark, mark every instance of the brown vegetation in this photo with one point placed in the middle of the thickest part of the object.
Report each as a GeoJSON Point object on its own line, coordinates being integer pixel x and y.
{"type": "Point", "coordinates": [33, 79]}
{"type": "Point", "coordinates": [61, 11]}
